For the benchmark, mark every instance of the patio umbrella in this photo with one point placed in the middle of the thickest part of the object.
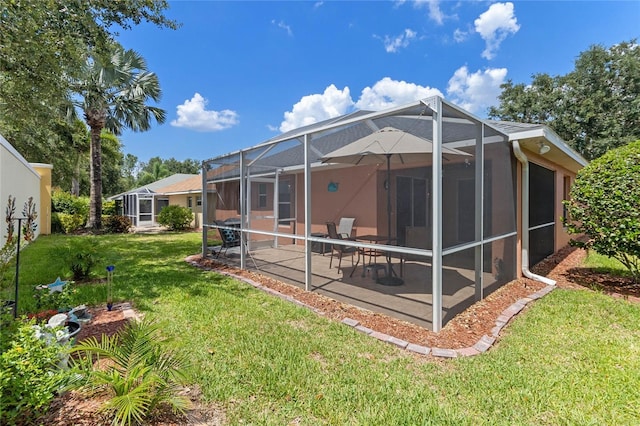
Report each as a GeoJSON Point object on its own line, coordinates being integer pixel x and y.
{"type": "Point", "coordinates": [387, 145]}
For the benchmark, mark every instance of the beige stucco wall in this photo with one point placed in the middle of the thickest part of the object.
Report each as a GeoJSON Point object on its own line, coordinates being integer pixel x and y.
{"type": "Point", "coordinates": [17, 179]}
{"type": "Point", "coordinates": [357, 196]}
{"type": "Point", "coordinates": [181, 200]}
{"type": "Point", "coordinates": [44, 170]}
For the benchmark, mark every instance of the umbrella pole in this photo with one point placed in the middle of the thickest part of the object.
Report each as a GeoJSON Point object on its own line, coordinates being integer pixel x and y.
{"type": "Point", "coordinates": [390, 278]}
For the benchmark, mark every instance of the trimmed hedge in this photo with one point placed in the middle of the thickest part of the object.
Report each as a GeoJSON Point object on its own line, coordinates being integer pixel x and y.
{"type": "Point", "coordinates": [605, 206]}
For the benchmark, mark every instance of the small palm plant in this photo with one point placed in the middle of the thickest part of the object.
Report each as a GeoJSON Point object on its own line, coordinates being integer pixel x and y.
{"type": "Point", "coordinates": [134, 369]}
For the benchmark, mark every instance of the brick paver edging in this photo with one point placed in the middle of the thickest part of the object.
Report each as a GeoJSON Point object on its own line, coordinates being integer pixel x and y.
{"type": "Point", "coordinates": [481, 345]}
{"type": "Point", "coordinates": [128, 312]}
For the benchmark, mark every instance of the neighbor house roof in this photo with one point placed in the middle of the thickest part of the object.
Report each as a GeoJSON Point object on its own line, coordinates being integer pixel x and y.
{"type": "Point", "coordinates": [153, 187]}
{"type": "Point", "coordinates": [170, 180]}
{"type": "Point", "coordinates": [190, 185]}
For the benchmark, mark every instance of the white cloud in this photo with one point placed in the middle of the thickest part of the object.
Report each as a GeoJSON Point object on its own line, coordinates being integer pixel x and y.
{"type": "Point", "coordinates": [435, 13]}
{"type": "Point", "coordinates": [313, 108]}
{"type": "Point", "coordinates": [284, 26]}
{"type": "Point", "coordinates": [388, 93]}
{"type": "Point", "coordinates": [477, 91]}
{"type": "Point", "coordinates": [459, 35]}
{"type": "Point", "coordinates": [318, 4]}
{"type": "Point", "coordinates": [192, 114]}
{"type": "Point", "coordinates": [391, 45]}
{"type": "Point", "coordinates": [495, 25]}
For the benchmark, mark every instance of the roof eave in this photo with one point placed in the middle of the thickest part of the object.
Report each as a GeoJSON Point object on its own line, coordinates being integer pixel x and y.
{"type": "Point", "coordinates": [553, 138]}
{"type": "Point", "coordinates": [185, 192]}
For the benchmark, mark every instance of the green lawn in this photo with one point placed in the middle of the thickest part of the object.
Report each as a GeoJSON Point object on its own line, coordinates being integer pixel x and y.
{"type": "Point", "coordinates": [604, 264]}
{"type": "Point", "coordinates": [571, 358]}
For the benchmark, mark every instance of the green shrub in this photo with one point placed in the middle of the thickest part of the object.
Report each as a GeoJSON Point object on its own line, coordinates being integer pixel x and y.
{"type": "Point", "coordinates": [29, 374]}
{"type": "Point", "coordinates": [141, 374]}
{"type": "Point", "coordinates": [175, 218]}
{"type": "Point", "coordinates": [8, 328]}
{"type": "Point", "coordinates": [605, 206]}
{"type": "Point", "coordinates": [115, 224]}
{"type": "Point", "coordinates": [109, 208]}
{"type": "Point", "coordinates": [64, 202]}
{"type": "Point", "coordinates": [56, 225]}
{"type": "Point", "coordinates": [68, 212]}
{"type": "Point", "coordinates": [70, 222]}
{"type": "Point", "coordinates": [82, 254]}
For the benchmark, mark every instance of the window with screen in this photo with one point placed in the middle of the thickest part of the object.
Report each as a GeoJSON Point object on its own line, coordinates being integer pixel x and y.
{"type": "Point", "coordinates": [541, 212]}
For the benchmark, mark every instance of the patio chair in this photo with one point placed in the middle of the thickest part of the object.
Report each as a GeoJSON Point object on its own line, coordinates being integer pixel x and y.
{"type": "Point", "coordinates": [345, 227]}
{"type": "Point", "coordinates": [230, 238]}
{"type": "Point", "coordinates": [339, 249]}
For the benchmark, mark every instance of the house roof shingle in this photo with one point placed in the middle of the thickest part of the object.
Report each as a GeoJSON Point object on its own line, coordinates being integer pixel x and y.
{"type": "Point", "coordinates": [154, 186]}
{"type": "Point", "coordinates": [185, 186]}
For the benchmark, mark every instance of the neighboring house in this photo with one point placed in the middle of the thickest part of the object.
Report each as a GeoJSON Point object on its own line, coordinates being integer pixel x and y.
{"type": "Point", "coordinates": [475, 217]}
{"type": "Point", "coordinates": [142, 205]}
{"type": "Point", "coordinates": [22, 180]}
{"type": "Point", "coordinates": [186, 193]}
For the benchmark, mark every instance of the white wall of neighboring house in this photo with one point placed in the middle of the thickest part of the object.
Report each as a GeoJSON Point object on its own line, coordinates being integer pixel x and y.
{"type": "Point", "coordinates": [18, 179]}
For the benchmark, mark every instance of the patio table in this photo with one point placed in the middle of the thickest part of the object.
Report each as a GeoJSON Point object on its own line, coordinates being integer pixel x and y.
{"type": "Point", "coordinates": [374, 253]}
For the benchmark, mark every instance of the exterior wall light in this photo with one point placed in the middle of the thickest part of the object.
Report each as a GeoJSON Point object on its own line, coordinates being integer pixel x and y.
{"type": "Point", "coordinates": [544, 148]}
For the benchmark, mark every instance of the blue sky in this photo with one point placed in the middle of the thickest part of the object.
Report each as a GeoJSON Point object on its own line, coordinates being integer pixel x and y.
{"type": "Point", "coordinates": [238, 73]}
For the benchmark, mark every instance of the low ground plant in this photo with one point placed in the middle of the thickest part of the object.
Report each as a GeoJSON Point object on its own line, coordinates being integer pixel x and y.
{"type": "Point", "coordinates": [60, 300]}
{"type": "Point", "coordinates": [82, 255]}
{"type": "Point", "coordinates": [116, 224]}
{"type": "Point", "coordinates": [140, 374]}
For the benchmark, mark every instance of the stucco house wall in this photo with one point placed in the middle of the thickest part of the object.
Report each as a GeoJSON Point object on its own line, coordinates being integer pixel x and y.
{"type": "Point", "coordinates": [189, 201]}
{"type": "Point", "coordinates": [21, 180]}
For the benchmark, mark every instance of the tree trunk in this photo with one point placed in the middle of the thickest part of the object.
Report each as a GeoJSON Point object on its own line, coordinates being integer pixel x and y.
{"type": "Point", "coordinates": [96, 121]}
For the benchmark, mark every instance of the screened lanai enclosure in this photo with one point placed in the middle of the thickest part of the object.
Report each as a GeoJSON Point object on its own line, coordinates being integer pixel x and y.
{"type": "Point", "coordinates": [141, 206]}
{"type": "Point", "coordinates": [432, 191]}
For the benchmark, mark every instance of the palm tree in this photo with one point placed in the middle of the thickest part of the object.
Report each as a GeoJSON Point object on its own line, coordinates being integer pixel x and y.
{"type": "Point", "coordinates": [112, 94]}
{"type": "Point", "coordinates": [140, 373]}
{"type": "Point", "coordinates": [158, 171]}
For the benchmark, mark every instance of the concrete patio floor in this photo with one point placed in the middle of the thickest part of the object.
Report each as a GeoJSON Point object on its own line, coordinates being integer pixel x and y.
{"type": "Point", "coordinates": [411, 301]}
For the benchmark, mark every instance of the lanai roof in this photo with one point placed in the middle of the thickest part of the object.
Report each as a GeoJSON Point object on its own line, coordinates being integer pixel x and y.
{"type": "Point", "coordinates": [329, 135]}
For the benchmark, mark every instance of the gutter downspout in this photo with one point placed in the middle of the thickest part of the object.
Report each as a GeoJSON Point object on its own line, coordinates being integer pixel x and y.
{"type": "Point", "coordinates": [525, 216]}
